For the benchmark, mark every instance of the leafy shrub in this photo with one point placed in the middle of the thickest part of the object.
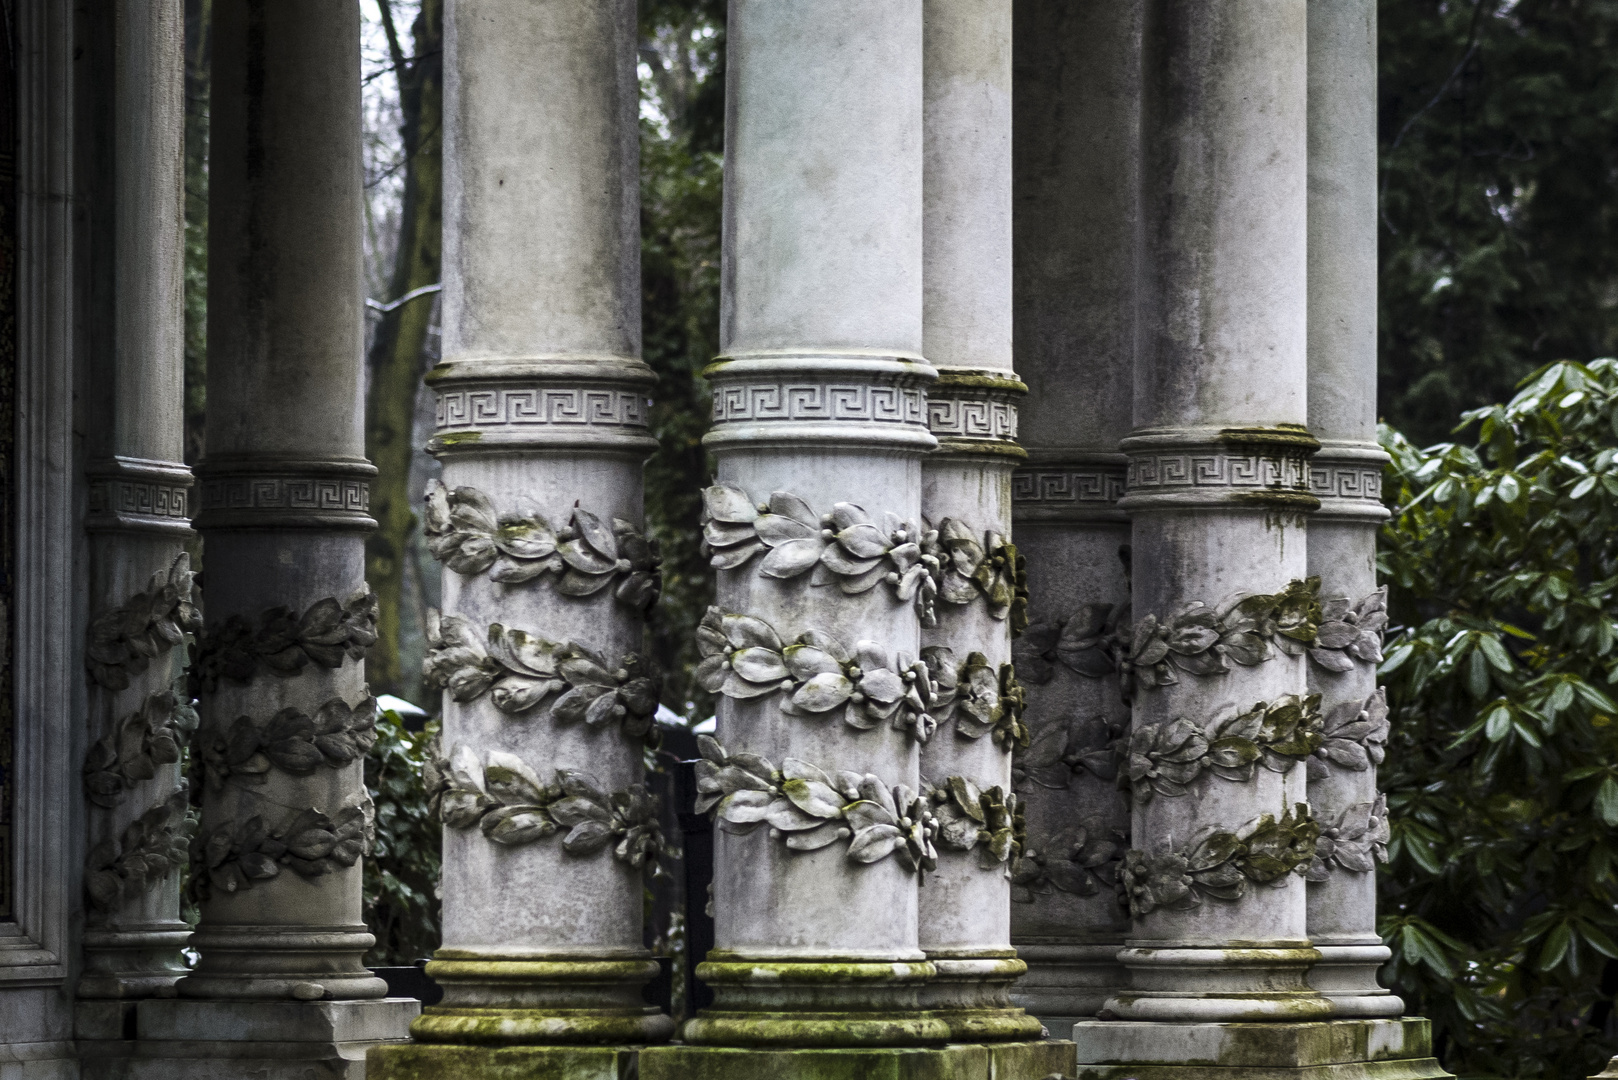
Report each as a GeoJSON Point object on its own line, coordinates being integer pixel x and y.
{"type": "Point", "coordinates": [401, 876]}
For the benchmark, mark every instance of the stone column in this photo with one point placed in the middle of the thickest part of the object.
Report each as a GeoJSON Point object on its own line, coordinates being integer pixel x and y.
{"type": "Point", "coordinates": [964, 910]}
{"type": "Point", "coordinates": [542, 429]}
{"type": "Point", "coordinates": [1078, 136]}
{"type": "Point", "coordinates": [140, 576]}
{"type": "Point", "coordinates": [1346, 475]}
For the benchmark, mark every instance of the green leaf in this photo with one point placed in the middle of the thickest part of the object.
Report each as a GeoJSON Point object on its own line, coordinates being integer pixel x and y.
{"type": "Point", "coordinates": [1556, 947]}
{"type": "Point", "coordinates": [1607, 801]}
{"type": "Point", "coordinates": [1496, 652]}
{"type": "Point", "coordinates": [1498, 723]}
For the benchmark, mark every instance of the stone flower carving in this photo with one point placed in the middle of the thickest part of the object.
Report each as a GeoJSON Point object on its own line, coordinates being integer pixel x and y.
{"type": "Point", "coordinates": [465, 533]}
{"type": "Point", "coordinates": [969, 817]}
{"type": "Point", "coordinates": [809, 808]}
{"type": "Point", "coordinates": [979, 699]}
{"type": "Point", "coordinates": [283, 642]}
{"type": "Point", "coordinates": [1165, 759]}
{"type": "Point", "coordinates": [132, 752]}
{"type": "Point", "coordinates": [1356, 842]}
{"type": "Point", "coordinates": [124, 641]}
{"type": "Point", "coordinates": [1064, 747]}
{"type": "Point", "coordinates": [846, 547]}
{"type": "Point", "coordinates": [743, 658]}
{"type": "Point", "coordinates": [507, 801]}
{"type": "Point", "coordinates": [291, 741]}
{"type": "Point", "coordinates": [1078, 861]}
{"type": "Point", "coordinates": [1218, 863]}
{"type": "Point", "coordinates": [1350, 631]}
{"type": "Point", "coordinates": [1089, 642]}
{"type": "Point", "coordinates": [520, 670]}
{"type": "Point", "coordinates": [233, 855]}
{"type": "Point", "coordinates": [968, 568]}
{"type": "Point", "coordinates": [1354, 736]}
{"type": "Point", "coordinates": [151, 847]}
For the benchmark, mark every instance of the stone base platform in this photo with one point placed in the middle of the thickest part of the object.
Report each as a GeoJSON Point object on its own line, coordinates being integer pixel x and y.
{"type": "Point", "coordinates": [1398, 1049]}
{"type": "Point", "coordinates": [443, 1061]}
{"type": "Point", "coordinates": [179, 1039]}
{"type": "Point", "coordinates": [1002, 1061]}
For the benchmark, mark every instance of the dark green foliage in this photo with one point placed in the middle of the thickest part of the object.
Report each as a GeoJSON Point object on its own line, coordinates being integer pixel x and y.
{"type": "Point", "coordinates": [401, 875]}
{"type": "Point", "coordinates": [682, 44]}
{"type": "Point", "coordinates": [1499, 238]}
{"type": "Point", "coordinates": [1502, 776]}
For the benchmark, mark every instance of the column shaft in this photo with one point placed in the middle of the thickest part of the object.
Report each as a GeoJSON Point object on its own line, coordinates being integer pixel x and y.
{"type": "Point", "coordinates": [1346, 476]}
{"type": "Point", "coordinates": [1077, 220]}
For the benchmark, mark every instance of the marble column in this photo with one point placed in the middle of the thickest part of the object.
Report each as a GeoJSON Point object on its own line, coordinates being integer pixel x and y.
{"type": "Point", "coordinates": [964, 909]}
{"type": "Point", "coordinates": [1077, 136]}
{"type": "Point", "coordinates": [142, 605]}
{"type": "Point", "coordinates": [541, 428]}
{"type": "Point", "coordinates": [1346, 475]}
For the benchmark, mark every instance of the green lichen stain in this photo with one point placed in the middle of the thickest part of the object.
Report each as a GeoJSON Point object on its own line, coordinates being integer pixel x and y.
{"type": "Point", "coordinates": [459, 438]}
{"type": "Point", "coordinates": [445, 1062]}
{"type": "Point", "coordinates": [1007, 383]}
{"type": "Point", "coordinates": [1012, 1061]}
{"type": "Point", "coordinates": [1284, 440]}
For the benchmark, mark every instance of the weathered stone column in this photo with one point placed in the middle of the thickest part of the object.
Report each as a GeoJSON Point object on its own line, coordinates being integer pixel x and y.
{"type": "Point", "coordinates": [1346, 475]}
{"type": "Point", "coordinates": [542, 430]}
{"type": "Point", "coordinates": [1078, 139]}
{"type": "Point", "coordinates": [140, 579]}
{"type": "Point", "coordinates": [964, 912]}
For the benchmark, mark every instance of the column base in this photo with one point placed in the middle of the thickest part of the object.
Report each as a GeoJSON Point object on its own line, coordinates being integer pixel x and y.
{"type": "Point", "coordinates": [267, 1040]}
{"type": "Point", "coordinates": [1002, 1061]}
{"type": "Point", "coordinates": [493, 1002]}
{"type": "Point", "coordinates": [1346, 975]}
{"type": "Point", "coordinates": [1198, 985]}
{"type": "Point", "coordinates": [971, 995]}
{"type": "Point", "coordinates": [427, 1061]}
{"type": "Point", "coordinates": [1066, 984]}
{"type": "Point", "coordinates": [268, 964]}
{"type": "Point", "coordinates": [132, 964]}
{"type": "Point", "coordinates": [1399, 1049]}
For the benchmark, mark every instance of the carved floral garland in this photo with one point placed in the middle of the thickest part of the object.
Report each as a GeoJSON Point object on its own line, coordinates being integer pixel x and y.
{"type": "Point", "coordinates": [508, 802]}
{"type": "Point", "coordinates": [519, 670]}
{"type": "Point", "coordinates": [233, 855]}
{"type": "Point", "coordinates": [283, 642]}
{"type": "Point", "coordinates": [1354, 736]}
{"type": "Point", "coordinates": [979, 700]}
{"type": "Point", "coordinates": [1064, 747]}
{"type": "Point", "coordinates": [809, 808]}
{"type": "Point", "coordinates": [744, 658]}
{"type": "Point", "coordinates": [1356, 843]}
{"type": "Point", "coordinates": [131, 753]}
{"type": "Point", "coordinates": [152, 846]}
{"type": "Point", "coordinates": [971, 817]}
{"type": "Point", "coordinates": [1166, 758]}
{"type": "Point", "coordinates": [124, 641]}
{"type": "Point", "coordinates": [1078, 861]}
{"type": "Point", "coordinates": [291, 741]}
{"type": "Point", "coordinates": [465, 533]}
{"type": "Point", "coordinates": [1219, 864]}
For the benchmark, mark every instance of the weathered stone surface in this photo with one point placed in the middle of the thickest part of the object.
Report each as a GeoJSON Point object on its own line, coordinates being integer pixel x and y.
{"type": "Point", "coordinates": [421, 1061]}
{"type": "Point", "coordinates": [1349, 1049]}
{"type": "Point", "coordinates": [1001, 1061]}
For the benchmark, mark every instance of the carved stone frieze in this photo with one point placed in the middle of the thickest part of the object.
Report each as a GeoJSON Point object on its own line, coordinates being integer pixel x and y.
{"type": "Point", "coordinates": [1087, 488]}
{"type": "Point", "coordinates": [540, 406]}
{"type": "Point", "coordinates": [744, 658]}
{"type": "Point", "coordinates": [1355, 842]}
{"type": "Point", "coordinates": [138, 495]}
{"type": "Point", "coordinates": [291, 741]}
{"type": "Point", "coordinates": [1080, 861]}
{"type": "Point", "coordinates": [980, 699]}
{"type": "Point", "coordinates": [1256, 467]}
{"type": "Point", "coordinates": [1218, 863]}
{"type": "Point", "coordinates": [821, 402]}
{"type": "Point", "coordinates": [1164, 759]}
{"type": "Point", "coordinates": [467, 534]}
{"type": "Point", "coordinates": [970, 817]}
{"type": "Point", "coordinates": [124, 641]}
{"type": "Point", "coordinates": [507, 801]}
{"type": "Point", "coordinates": [1347, 479]}
{"type": "Point", "coordinates": [151, 847]}
{"type": "Point", "coordinates": [520, 670]}
{"type": "Point", "coordinates": [1354, 736]}
{"type": "Point", "coordinates": [974, 411]}
{"type": "Point", "coordinates": [826, 399]}
{"type": "Point", "coordinates": [133, 750]}
{"type": "Point", "coordinates": [282, 642]}
{"type": "Point", "coordinates": [809, 808]}
{"type": "Point", "coordinates": [558, 402]}
{"type": "Point", "coordinates": [233, 855]}
{"type": "Point", "coordinates": [270, 494]}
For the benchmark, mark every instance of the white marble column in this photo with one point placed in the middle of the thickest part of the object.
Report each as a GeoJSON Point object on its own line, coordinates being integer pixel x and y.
{"type": "Point", "coordinates": [548, 696]}
{"type": "Point", "coordinates": [142, 600]}
{"type": "Point", "coordinates": [1217, 493]}
{"type": "Point", "coordinates": [1346, 475]}
{"type": "Point", "coordinates": [1077, 218]}
{"type": "Point", "coordinates": [286, 716]}
{"type": "Point", "coordinates": [964, 912]}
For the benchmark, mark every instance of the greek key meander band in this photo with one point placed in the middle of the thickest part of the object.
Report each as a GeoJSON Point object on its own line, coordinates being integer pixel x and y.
{"type": "Point", "coordinates": [1058, 486]}
{"type": "Point", "coordinates": [1215, 469]}
{"type": "Point", "coordinates": [161, 500]}
{"type": "Point", "coordinates": [966, 418]}
{"type": "Point", "coordinates": [819, 402]}
{"type": "Point", "coordinates": [1330, 480]}
{"type": "Point", "coordinates": [524, 408]}
{"type": "Point", "coordinates": [269, 494]}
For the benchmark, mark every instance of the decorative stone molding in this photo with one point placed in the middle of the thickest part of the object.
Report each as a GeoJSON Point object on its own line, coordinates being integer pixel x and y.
{"type": "Point", "coordinates": [979, 700]}
{"type": "Point", "coordinates": [152, 846]}
{"type": "Point", "coordinates": [291, 741]}
{"type": "Point", "coordinates": [744, 658]}
{"type": "Point", "coordinates": [508, 802]}
{"type": "Point", "coordinates": [1355, 843]}
{"type": "Point", "coordinates": [465, 533]}
{"type": "Point", "coordinates": [131, 753]}
{"type": "Point", "coordinates": [1261, 468]}
{"type": "Point", "coordinates": [139, 496]}
{"type": "Point", "coordinates": [1347, 479]}
{"type": "Point", "coordinates": [283, 642]}
{"type": "Point", "coordinates": [1079, 861]}
{"type": "Point", "coordinates": [1063, 747]}
{"type": "Point", "coordinates": [233, 855]}
{"type": "Point", "coordinates": [1354, 736]}
{"type": "Point", "coordinates": [519, 670]}
{"type": "Point", "coordinates": [271, 494]}
{"type": "Point", "coordinates": [1219, 864]}
{"type": "Point", "coordinates": [1089, 642]}
{"type": "Point", "coordinates": [808, 808]}
{"type": "Point", "coordinates": [824, 399]}
{"type": "Point", "coordinates": [561, 402]}
{"type": "Point", "coordinates": [1069, 486]}
{"type": "Point", "coordinates": [1166, 758]}
{"type": "Point", "coordinates": [974, 411]}
{"type": "Point", "coordinates": [970, 817]}
{"type": "Point", "coordinates": [124, 641]}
